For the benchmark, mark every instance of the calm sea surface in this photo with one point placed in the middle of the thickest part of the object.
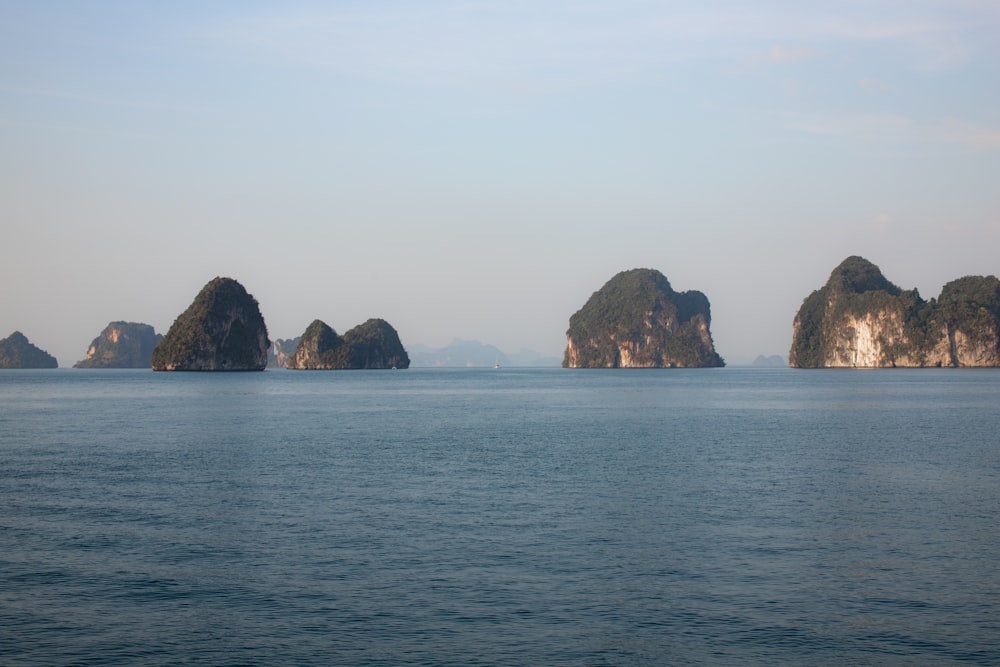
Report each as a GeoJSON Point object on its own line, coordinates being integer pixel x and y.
{"type": "Point", "coordinates": [500, 517]}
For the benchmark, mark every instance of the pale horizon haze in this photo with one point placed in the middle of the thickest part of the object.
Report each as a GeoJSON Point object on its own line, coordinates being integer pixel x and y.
{"type": "Point", "coordinates": [477, 169]}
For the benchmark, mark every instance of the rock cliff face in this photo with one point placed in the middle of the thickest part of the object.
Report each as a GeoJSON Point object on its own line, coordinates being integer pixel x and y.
{"type": "Point", "coordinates": [122, 345]}
{"type": "Point", "coordinates": [318, 349]}
{"type": "Point", "coordinates": [16, 351]}
{"type": "Point", "coordinates": [637, 320]}
{"type": "Point", "coordinates": [222, 330]}
{"type": "Point", "coordinates": [861, 320]}
{"type": "Point", "coordinates": [374, 344]}
{"type": "Point", "coordinates": [281, 352]}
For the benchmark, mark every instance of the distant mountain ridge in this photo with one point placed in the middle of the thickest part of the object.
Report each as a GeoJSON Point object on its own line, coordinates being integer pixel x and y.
{"type": "Point", "coordinates": [771, 361]}
{"type": "Point", "coordinates": [473, 354]}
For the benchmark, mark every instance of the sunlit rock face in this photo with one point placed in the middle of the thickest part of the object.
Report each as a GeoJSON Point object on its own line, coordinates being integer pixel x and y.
{"type": "Point", "coordinates": [222, 330]}
{"type": "Point", "coordinates": [281, 352]}
{"type": "Point", "coordinates": [861, 320]}
{"type": "Point", "coordinates": [317, 349]}
{"type": "Point", "coordinates": [122, 345]}
{"type": "Point", "coordinates": [637, 320]}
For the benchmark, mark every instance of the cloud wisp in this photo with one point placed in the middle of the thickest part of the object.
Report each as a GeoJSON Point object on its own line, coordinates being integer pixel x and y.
{"type": "Point", "coordinates": [498, 44]}
{"type": "Point", "coordinates": [899, 128]}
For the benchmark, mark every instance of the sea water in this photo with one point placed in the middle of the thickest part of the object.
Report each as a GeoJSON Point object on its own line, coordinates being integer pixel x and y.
{"type": "Point", "coordinates": [500, 517]}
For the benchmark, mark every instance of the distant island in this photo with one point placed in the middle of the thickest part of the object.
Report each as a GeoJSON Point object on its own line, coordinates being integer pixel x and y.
{"type": "Point", "coordinates": [281, 351]}
{"type": "Point", "coordinates": [637, 320]}
{"type": "Point", "coordinates": [16, 351]}
{"type": "Point", "coordinates": [772, 361]}
{"type": "Point", "coordinates": [222, 330]}
{"type": "Point", "coordinates": [372, 345]}
{"type": "Point", "coordinates": [859, 319]}
{"type": "Point", "coordinates": [122, 345]}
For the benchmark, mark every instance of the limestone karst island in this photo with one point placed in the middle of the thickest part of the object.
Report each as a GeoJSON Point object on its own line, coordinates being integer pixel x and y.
{"type": "Point", "coordinates": [16, 351]}
{"type": "Point", "coordinates": [122, 345]}
{"type": "Point", "coordinates": [637, 320]}
{"type": "Point", "coordinates": [374, 344]}
{"type": "Point", "coordinates": [861, 320]}
{"type": "Point", "coordinates": [222, 330]}
{"type": "Point", "coordinates": [858, 319]}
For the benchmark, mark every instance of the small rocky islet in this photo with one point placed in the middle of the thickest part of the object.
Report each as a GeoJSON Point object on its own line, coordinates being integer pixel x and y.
{"type": "Point", "coordinates": [372, 345]}
{"type": "Point", "coordinates": [122, 345]}
{"type": "Point", "coordinates": [16, 351]}
{"type": "Point", "coordinates": [222, 330]}
{"type": "Point", "coordinates": [637, 320]}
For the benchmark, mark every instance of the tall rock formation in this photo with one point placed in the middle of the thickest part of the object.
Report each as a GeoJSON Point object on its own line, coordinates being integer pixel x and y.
{"type": "Point", "coordinates": [16, 351]}
{"type": "Point", "coordinates": [637, 320]}
{"type": "Point", "coordinates": [122, 345]}
{"type": "Point", "coordinates": [375, 344]}
{"type": "Point", "coordinates": [372, 345]}
{"type": "Point", "coordinates": [861, 320]}
{"type": "Point", "coordinates": [222, 330]}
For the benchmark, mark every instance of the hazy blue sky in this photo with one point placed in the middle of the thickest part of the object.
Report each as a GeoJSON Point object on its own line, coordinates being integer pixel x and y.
{"type": "Point", "coordinates": [477, 169]}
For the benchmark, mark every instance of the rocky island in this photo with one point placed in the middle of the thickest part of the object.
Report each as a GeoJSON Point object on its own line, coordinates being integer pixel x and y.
{"type": "Point", "coordinates": [122, 345]}
{"type": "Point", "coordinates": [16, 351]}
{"type": "Point", "coordinates": [637, 320]}
{"type": "Point", "coordinates": [859, 319]}
{"type": "Point", "coordinates": [222, 330]}
{"type": "Point", "coordinates": [372, 345]}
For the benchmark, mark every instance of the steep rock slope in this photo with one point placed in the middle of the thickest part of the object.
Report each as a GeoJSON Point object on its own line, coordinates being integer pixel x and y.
{"type": "Point", "coordinates": [16, 351]}
{"type": "Point", "coordinates": [637, 320]}
{"type": "Point", "coordinates": [317, 349]}
{"type": "Point", "coordinates": [222, 330]}
{"type": "Point", "coordinates": [859, 319]}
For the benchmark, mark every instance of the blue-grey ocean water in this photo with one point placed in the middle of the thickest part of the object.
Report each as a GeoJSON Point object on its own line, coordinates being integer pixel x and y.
{"type": "Point", "coordinates": [500, 517]}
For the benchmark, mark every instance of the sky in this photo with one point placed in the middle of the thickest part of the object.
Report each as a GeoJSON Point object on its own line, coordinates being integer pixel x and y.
{"type": "Point", "coordinates": [477, 169]}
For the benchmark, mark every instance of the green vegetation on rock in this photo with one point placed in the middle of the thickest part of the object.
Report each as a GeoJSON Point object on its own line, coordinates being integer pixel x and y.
{"type": "Point", "coordinates": [859, 318]}
{"type": "Point", "coordinates": [318, 349]}
{"type": "Point", "coordinates": [16, 351]}
{"type": "Point", "coordinates": [971, 304]}
{"type": "Point", "coordinates": [222, 330]}
{"type": "Point", "coordinates": [637, 320]}
{"type": "Point", "coordinates": [374, 344]}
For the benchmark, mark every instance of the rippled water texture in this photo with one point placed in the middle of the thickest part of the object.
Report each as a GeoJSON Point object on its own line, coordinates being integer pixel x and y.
{"type": "Point", "coordinates": [528, 517]}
